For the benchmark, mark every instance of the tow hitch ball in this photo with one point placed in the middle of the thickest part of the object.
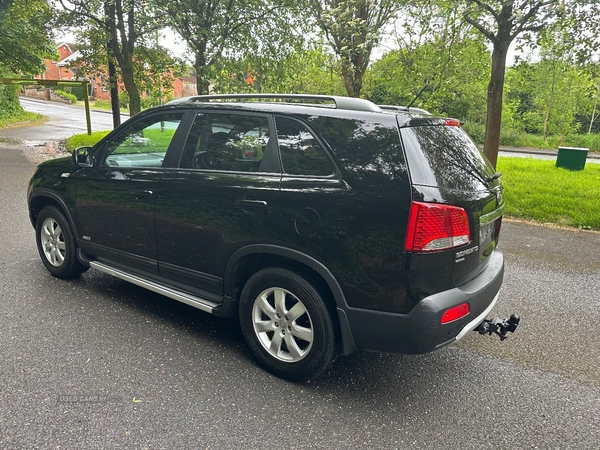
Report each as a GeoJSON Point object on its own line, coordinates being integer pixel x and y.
{"type": "Point", "coordinates": [499, 326]}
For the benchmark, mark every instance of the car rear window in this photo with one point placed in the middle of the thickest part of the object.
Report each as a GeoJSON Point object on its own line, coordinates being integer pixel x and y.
{"type": "Point", "coordinates": [445, 156]}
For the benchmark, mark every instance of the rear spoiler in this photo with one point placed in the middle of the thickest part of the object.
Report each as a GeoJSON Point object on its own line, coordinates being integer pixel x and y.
{"type": "Point", "coordinates": [408, 109]}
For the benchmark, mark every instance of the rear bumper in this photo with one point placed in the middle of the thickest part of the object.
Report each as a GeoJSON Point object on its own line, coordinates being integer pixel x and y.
{"type": "Point", "coordinates": [420, 331]}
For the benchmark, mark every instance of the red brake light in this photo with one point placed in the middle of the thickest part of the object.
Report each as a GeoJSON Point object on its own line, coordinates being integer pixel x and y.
{"type": "Point", "coordinates": [434, 227]}
{"type": "Point", "coordinates": [456, 312]}
{"type": "Point", "coordinates": [452, 123]}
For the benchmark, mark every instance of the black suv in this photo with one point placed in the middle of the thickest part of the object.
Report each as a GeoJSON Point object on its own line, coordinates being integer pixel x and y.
{"type": "Point", "coordinates": [326, 224]}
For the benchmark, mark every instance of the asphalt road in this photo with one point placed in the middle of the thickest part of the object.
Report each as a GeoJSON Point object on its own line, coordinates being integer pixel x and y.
{"type": "Point", "coordinates": [98, 363]}
{"type": "Point", "coordinates": [65, 121]}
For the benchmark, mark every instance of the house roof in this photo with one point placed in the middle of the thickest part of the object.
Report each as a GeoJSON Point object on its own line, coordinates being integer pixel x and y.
{"type": "Point", "coordinates": [69, 59]}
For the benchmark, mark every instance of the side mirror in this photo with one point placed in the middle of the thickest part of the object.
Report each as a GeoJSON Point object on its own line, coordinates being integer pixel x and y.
{"type": "Point", "coordinates": [82, 157]}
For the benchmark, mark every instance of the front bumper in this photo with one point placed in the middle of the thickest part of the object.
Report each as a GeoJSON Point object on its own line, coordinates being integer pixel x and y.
{"type": "Point", "coordinates": [421, 331]}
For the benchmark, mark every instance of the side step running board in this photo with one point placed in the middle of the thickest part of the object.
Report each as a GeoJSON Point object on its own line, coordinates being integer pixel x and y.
{"type": "Point", "coordinates": [183, 297]}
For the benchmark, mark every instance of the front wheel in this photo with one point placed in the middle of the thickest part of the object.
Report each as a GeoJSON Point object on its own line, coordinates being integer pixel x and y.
{"type": "Point", "coordinates": [287, 324]}
{"type": "Point", "coordinates": [56, 244]}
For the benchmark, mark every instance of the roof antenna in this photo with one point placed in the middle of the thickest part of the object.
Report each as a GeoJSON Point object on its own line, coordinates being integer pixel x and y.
{"type": "Point", "coordinates": [420, 92]}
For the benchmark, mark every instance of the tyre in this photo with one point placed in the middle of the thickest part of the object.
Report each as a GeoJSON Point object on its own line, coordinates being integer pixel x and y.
{"type": "Point", "coordinates": [56, 244]}
{"type": "Point", "coordinates": [286, 324]}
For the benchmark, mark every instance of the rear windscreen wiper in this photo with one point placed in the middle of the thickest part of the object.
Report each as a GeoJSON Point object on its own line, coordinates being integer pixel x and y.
{"type": "Point", "coordinates": [493, 177]}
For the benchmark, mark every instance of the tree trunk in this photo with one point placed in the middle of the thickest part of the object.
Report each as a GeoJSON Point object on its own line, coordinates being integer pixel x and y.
{"type": "Point", "coordinates": [348, 81]}
{"type": "Point", "coordinates": [132, 90]}
{"type": "Point", "coordinates": [593, 115]}
{"type": "Point", "coordinates": [114, 86]}
{"type": "Point", "coordinates": [494, 102]}
{"type": "Point", "coordinates": [550, 101]}
{"type": "Point", "coordinates": [353, 74]}
{"type": "Point", "coordinates": [202, 74]}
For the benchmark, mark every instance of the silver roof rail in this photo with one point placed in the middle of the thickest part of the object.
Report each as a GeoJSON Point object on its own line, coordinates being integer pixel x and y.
{"type": "Point", "coordinates": [349, 103]}
{"type": "Point", "coordinates": [410, 109]}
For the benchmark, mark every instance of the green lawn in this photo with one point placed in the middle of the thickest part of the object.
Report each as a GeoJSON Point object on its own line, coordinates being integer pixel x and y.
{"type": "Point", "coordinates": [81, 140]}
{"type": "Point", "coordinates": [537, 190]}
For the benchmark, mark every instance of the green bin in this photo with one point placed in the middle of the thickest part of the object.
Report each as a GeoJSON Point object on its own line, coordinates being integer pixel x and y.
{"type": "Point", "coordinates": [571, 158]}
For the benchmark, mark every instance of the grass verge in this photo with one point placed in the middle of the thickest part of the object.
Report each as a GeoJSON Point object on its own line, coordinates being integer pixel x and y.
{"type": "Point", "coordinates": [537, 190]}
{"type": "Point", "coordinates": [24, 119]}
{"type": "Point", "coordinates": [80, 140]}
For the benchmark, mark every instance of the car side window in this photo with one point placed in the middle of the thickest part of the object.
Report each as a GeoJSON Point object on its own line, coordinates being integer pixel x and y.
{"type": "Point", "coordinates": [301, 154]}
{"type": "Point", "coordinates": [144, 144]}
{"type": "Point", "coordinates": [230, 142]}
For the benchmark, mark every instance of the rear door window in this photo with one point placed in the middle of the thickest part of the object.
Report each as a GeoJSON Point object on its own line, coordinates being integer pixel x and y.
{"type": "Point", "coordinates": [230, 142]}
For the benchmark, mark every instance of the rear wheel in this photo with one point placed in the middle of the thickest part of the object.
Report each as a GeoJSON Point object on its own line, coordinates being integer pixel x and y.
{"type": "Point", "coordinates": [56, 244]}
{"type": "Point", "coordinates": [286, 324]}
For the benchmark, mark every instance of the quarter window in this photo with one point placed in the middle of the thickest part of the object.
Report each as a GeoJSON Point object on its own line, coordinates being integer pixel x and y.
{"type": "Point", "coordinates": [144, 144]}
{"type": "Point", "coordinates": [300, 152]}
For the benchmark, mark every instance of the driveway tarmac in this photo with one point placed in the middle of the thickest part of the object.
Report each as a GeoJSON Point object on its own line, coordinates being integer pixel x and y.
{"type": "Point", "coordinates": [98, 363]}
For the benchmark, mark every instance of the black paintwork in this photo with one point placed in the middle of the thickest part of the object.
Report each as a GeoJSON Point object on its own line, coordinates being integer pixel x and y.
{"type": "Point", "coordinates": [207, 231]}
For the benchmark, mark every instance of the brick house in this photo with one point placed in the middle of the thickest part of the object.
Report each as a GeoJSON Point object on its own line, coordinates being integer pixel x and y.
{"type": "Point", "coordinates": [66, 68]}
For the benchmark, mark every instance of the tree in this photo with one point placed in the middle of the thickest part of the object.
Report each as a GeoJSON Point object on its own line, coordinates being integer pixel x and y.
{"type": "Point", "coordinates": [440, 55]}
{"type": "Point", "coordinates": [25, 36]}
{"type": "Point", "coordinates": [25, 41]}
{"type": "Point", "coordinates": [122, 22]}
{"type": "Point", "coordinates": [353, 28]}
{"type": "Point", "coordinates": [213, 29]}
{"type": "Point", "coordinates": [311, 70]}
{"type": "Point", "coordinates": [501, 22]}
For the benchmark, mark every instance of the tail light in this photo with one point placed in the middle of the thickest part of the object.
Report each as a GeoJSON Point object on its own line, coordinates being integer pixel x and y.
{"type": "Point", "coordinates": [434, 227]}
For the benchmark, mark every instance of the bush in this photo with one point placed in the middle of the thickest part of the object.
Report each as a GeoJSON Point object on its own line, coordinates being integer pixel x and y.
{"type": "Point", "coordinates": [9, 102]}
{"type": "Point", "coordinates": [589, 141]}
{"type": "Point", "coordinates": [476, 131]}
{"type": "Point", "coordinates": [511, 137]}
{"type": "Point", "coordinates": [77, 91]}
{"type": "Point", "coordinates": [66, 95]}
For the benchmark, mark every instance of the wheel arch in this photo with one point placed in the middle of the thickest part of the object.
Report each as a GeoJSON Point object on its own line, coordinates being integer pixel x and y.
{"type": "Point", "coordinates": [42, 198]}
{"type": "Point", "coordinates": [250, 259]}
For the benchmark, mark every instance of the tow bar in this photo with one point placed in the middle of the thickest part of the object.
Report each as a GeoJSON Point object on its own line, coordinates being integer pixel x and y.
{"type": "Point", "coordinates": [499, 326]}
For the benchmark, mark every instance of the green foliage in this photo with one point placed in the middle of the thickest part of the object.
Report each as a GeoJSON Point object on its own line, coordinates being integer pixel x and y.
{"type": "Point", "coordinates": [565, 197]}
{"type": "Point", "coordinates": [353, 28]}
{"type": "Point", "coordinates": [306, 71]}
{"type": "Point", "coordinates": [9, 102]}
{"type": "Point", "coordinates": [77, 91]}
{"type": "Point", "coordinates": [23, 118]}
{"type": "Point", "coordinates": [454, 74]}
{"type": "Point", "coordinates": [84, 140]}
{"type": "Point", "coordinates": [123, 33]}
{"type": "Point", "coordinates": [66, 95]}
{"type": "Point", "coordinates": [221, 31]}
{"type": "Point", "coordinates": [102, 104]}
{"type": "Point", "coordinates": [25, 36]}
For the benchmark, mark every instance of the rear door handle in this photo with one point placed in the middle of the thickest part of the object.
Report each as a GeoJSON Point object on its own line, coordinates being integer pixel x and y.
{"type": "Point", "coordinates": [253, 202]}
{"type": "Point", "coordinates": [251, 206]}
